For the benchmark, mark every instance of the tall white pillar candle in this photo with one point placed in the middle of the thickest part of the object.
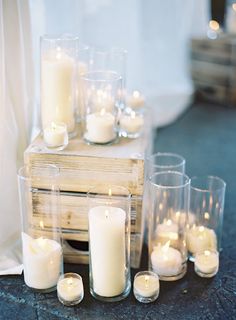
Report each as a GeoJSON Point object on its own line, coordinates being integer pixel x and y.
{"type": "Point", "coordinates": [42, 262]}
{"type": "Point", "coordinates": [107, 250]}
{"type": "Point", "coordinates": [57, 88]}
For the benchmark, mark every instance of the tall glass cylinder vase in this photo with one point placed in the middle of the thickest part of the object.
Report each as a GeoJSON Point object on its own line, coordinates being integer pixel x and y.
{"type": "Point", "coordinates": [83, 66]}
{"type": "Point", "coordinates": [101, 100]}
{"type": "Point", "coordinates": [58, 81]}
{"type": "Point", "coordinates": [167, 225]}
{"type": "Point", "coordinates": [41, 226]}
{"type": "Point", "coordinates": [207, 195]}
{"type": "Point", "coordinates": [109, 242]}
{"type": "Point", "coordinates": [111, 59]}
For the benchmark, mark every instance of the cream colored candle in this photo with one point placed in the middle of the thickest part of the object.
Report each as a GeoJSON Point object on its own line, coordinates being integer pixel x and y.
{"type": "Point", "coordinates": [136, 100]}
{"type": "Point", "coordinates": [100, 127]}
{"type": "Point", "coordinates": [55, 135]}
{"type": "Point", "coordinates": [57, 88]}
{"type": "Point", "coordinates": [107, 250]}
{"type": "Point", "coordinates": [147, 285]}
{"type": "Point", "coordinates": [207, 262]}
{"type": "Point", "coordinates": [42, 262]}
{"type": "Point", "coordinates": [200, 238]}
{"type": "Point", "coordinates": [167, 231]}
{"type": "Point", "coordinates": [70, 289]}
{"type": "Point", "coordinates": [166, 261]}
{"type": "Point", "coordinates": [131, 123]}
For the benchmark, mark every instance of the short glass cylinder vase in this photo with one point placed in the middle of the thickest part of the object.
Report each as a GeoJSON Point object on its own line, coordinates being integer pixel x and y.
{"type": "Point", "coordinates": [101, 101]}
{"type": "Point", "coordinates": [109, 243]}
{"type": "Point", "coordinates": [41, 226]}
{"type": "Point", "coordinates": [55, 136]}
{"type": "Point", "coordinates": [146, 286]}
{"type": "Point", "coordinates": [169, 200]}
{"type": "Point", "coordinates": [70, 289]}
{"type": "Point", "coordinates": [207, 194]}
{"type": "Point", "coordinates": [58, 80]}
{"type": "Point", "coordinates": [206, 263]}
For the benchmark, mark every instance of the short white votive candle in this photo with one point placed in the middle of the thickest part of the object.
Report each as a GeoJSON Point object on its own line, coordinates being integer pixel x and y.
{"type": "Point", "coordinates": [55, 135]}
{"type": "Point", "coordinates": [131, 123]}
{"type": "Point", "coordinates": [166, 261]}
{"type": "Point", "coordinates": [200, 238]}
{"type": "Point", "coordinates": [206, 263]}
{"type": "Point", "coordinates": [100, 127]}
{"type": "Point", "coordinates": [70, 289]}
{"type": "Point", "coordinates": [146, 286]}
{"type": "Point", "coordinates": [136, 100]}
{"type": "Point", "coordinates": [42, 259]}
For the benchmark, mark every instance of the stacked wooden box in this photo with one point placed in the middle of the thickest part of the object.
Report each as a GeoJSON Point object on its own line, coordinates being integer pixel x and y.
{"type": "Point", "coordinates": [83, 166]}
{"type": "Point", "coordinates": [213, 68]}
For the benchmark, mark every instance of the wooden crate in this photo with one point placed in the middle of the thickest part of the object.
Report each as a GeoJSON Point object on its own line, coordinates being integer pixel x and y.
{"type": "Point", "coordinates": [83, 166]}
{"type": "Point", "coordinates": [213, 68]}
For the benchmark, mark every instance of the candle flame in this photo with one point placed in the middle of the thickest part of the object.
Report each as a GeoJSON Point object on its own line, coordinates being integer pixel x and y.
{"type": "Point", "coordinates": [136, 94]}
{"type": "Point", "coordinates": [146, 280]}
{"type": "Point", "coordinates": [41, 224]}
{"type": "Point", "coordinates": [214, 25]}
{"type": "Point", "coordinates": [70, 281]}
{"type": "Point", "coordinates": [168, 222]}
{"type": "Point", "coordinates": [166, 246]}
{"type": "Point", "coordinates": [132, 115]}
{"type": "Point", "coordinates": [207, 253]}
{"type": "Point", "coordinates": [58, 54]}
{"type": "Point", "coordinates": [106, 213]}
{"type": "Point", "coordinates": [103, 111]}
{"type": "Point", "coordinates": [206, 216]}
{"type": "Point", "coordinates": [41, 242]}
{"type": "Point", "coordinates": [109, 193]}
{"type": "Point", "coordinates": [201, 228]}
{"type": "Point", "coordinates": [177, 214]}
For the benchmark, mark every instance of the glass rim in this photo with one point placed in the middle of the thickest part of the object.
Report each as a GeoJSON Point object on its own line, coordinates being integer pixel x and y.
{"type": "Point", "coordinates": [59, 37]}
{"type": "Point", "coordinates": [207, 178]}
{"type": "Point", "coordinates": [115, 77]}
{"type": "Point", "coordinates": [117, 187]}
{"type": "Point", "coordinates": [108, 50]}
{"type": "Point", "coordinates": [165, 154]}
{"type": "Point", "coordinates": [176, 173]}
{"type": "Point", "coordinates": [70, 274]}
{"type": "Point", "coordinates": [21, 174]}
{"type": "Point", "coordinates": [147, 272]}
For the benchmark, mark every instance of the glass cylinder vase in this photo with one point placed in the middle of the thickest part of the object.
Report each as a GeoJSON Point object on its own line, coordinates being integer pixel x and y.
{"type": "Point", "coordinates": [169, 197]}
{"type": "Point", "coordinates": [109, 242]}
{"type": "Point", "coordinates": [207, 195]}
{"type": "Point", "coordinates": [101, 100]}
{"type": "Point", "coordinates": [58, 80]}
{"type": "Point", "coordinates": [41, 226]}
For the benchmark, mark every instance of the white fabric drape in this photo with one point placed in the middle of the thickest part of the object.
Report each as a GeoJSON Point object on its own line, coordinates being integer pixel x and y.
{"type": "Point", "coordinates": [16, 105]}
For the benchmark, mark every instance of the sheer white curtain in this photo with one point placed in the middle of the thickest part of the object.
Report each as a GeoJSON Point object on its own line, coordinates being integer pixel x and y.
{"type": "Point", "coordinates": [16, 106]}
{"type": "Point", "coordinates": [155, 33]}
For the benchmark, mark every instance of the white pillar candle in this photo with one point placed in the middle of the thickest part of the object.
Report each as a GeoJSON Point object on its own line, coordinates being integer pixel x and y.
{"type": "Point", "coordinates": [146, 285]}
{"type": "Point", "coordinates": [55, 135]}
{"type": "Point", "coordinates": [107, 250]}
{"type": "Point", "coordinates": [166, 261]}
{"type": "Point", "coordinates": [201, 238]}
{"type": "Point", "coordinates": [131, 123]}
{"type": "Point", "coordinates": [57, 88]}
{"type": "Point", "coordinates": [100, 127]}
{"type": "Point", "coordinates": [167, 231]}
{"type": "Point", "coordinates": [70, 289]}
{"type": "Point", "coordinates": [136, 100]}
{"type": "Point", "coordinates": [207, 262]}
{"type": "Point", "coordinates": [42, 262]}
